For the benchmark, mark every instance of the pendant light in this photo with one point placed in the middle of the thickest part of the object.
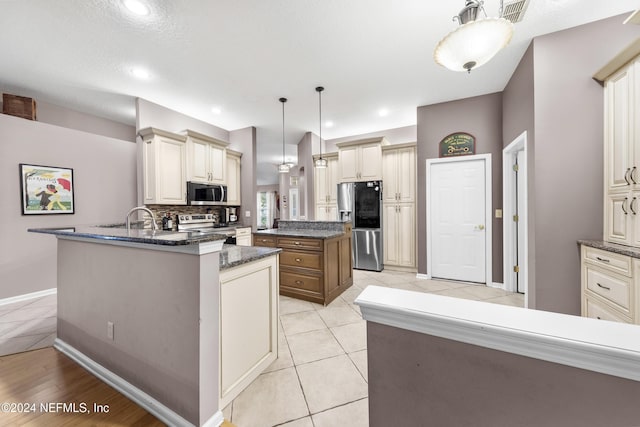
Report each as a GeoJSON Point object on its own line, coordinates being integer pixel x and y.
{"type": "Point", "coordinates": [320, 162]}
{"type": "Point", "coordinates": [283, 168]}
{"type": "Point", "coordinates": [475, 41]}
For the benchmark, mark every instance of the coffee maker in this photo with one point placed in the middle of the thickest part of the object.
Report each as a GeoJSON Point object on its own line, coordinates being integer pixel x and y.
{"type": "Point", "coordinates": [231, 215]}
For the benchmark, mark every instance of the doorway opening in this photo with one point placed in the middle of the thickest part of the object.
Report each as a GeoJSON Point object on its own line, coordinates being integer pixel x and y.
{"type": "Point", "coordinates": [515, 218]}
{"type": "Point", "coordinates": [459, 232]}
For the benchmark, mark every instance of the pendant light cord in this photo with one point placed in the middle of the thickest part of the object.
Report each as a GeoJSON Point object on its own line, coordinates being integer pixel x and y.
{"type": "Point", "coordinates": [319, 89]}
{"type": "Point", "coordinates": [283, 100]}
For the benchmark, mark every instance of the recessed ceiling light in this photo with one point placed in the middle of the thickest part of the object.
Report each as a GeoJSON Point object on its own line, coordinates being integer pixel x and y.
{"type": "Point", "coordinates": [216, 110]}
{"type": "Point", "coordinates": [137, 7]}
{"type": "Point", "coordinates": [383, 112]}
{"type": "Point", "coordinates": [140, 73]}
{"type": "Point", "coordinates": [328, 124]}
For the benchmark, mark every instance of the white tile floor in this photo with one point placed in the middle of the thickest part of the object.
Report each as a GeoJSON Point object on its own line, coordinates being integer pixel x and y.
{"type": "Point", "coordinates": [28, 325]}
{"type": "Point", "coordinates": [320, 376]}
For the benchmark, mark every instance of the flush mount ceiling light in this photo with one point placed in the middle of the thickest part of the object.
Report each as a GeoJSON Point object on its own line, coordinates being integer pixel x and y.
{"type": "Point", "coordinates": [284, 167]}
{"type": "Point", "coordinates": [475, 41]}
{"type": "Point", "coordinates": [137, 7]}
{"type": "Point", "coordinates": [140, 73]}
{"type": "Point", "coordinates": [320, 162]}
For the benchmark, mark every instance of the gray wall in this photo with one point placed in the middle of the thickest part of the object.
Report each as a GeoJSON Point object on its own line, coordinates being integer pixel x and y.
{"type": "Point", "coordinates": [566, 193]}
{"type": "Point", "coordinates": [394, 136]}
{"type": "Point", "coordinates": [421, 380]}
{"type": "Point", "coordinates": [104, 171]}
{"type": "Point", "coordinates": [244, 141]}
{"type": "Point", "coordinates": [518, 106]}
{"type": "Point", "coordinates": [480, 116]}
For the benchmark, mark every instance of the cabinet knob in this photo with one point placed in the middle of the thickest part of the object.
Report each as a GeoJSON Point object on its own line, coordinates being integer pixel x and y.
{"type": "Point", "coordinates": [299, 282]}
{"type": "Point", "coordinates": [296, 243]}
{"type": "Point", "coordinates": [298, 260]}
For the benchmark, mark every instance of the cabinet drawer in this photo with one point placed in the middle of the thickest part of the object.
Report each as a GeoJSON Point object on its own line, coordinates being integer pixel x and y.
{"type": "Point", "coordinates": [262, 240]}
{"type": "Point", "coordinates": [300, 281]}
{"type": "Point", "coordinates": [301, 259]}
{"type": "Point", "coordinates": [244, 231]}
{"type": "Point", "coordinates": [612, 261]}
{"type": "Point", "coordinates": [611, 287]}
{"type": "Point", "coordinates": [300, 243]}
{"type": "Point", "coordinates": [598, 310]}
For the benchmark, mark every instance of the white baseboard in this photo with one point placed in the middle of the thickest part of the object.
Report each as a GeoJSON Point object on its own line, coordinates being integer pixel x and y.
{"type": "Point", "coordinates": [152, 405]}
{"type": "Point", "coordinates": [423, 276]}
{"type": "Point", "coordinates": [496, 285]}
{"type": "Point", "coordinates": [29, 296]}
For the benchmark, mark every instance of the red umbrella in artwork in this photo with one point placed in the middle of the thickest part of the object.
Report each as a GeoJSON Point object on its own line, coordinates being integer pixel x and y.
{"type": "Point", "coordinates": [65, 183]}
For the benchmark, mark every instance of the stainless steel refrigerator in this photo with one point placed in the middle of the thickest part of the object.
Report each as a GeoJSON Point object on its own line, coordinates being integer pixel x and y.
{"type": "Point", "coordinates": [361, 203]}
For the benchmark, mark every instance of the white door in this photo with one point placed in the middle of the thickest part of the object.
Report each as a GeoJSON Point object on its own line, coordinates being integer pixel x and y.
{"type": "Point", "coordinates": [458, 220]}
{"type": "Point", "coordinates": [521, 194]}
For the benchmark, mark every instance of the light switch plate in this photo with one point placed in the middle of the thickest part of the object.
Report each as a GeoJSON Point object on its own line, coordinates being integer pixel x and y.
{"type": "Point", "coordinates": [247, 214]}
{"type": "Point", "coordinates": [498, 213]}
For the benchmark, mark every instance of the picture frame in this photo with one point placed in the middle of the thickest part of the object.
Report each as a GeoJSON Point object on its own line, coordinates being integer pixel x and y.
{"type": "Point", "coordinates": [46, 190]}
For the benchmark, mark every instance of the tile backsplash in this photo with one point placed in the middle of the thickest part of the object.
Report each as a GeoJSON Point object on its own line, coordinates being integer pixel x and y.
{"type": "Point", "coordinates": [161, 210]}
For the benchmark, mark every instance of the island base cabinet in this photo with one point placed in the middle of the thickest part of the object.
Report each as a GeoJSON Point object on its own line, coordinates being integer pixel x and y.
{"type": "Point", "coordinates": [248, 324]}
{"type": "Point", "coordinates": [316, 270]}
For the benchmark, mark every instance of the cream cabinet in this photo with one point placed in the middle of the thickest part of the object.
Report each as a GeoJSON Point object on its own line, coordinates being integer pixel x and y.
{"type": "Point", "coordinates": [399, 235]}
{"type": "Point", "coordinates": [609, 285]}
{"type": "Point", "coordinates": [399, 173]}
{"type": "Point", "coordinates": [622, 155]}
{"type": "Point", "coordinates": [234, 196]}
{"type": "Point", "coordinates": [243, 236]}
{"type": "Point", "coordinates": [206, 159]}
{"type": "Point", "coordinates": [326, 189]}
{"type": "Point", "coordinates": [162, 166]}
{"type": "Point", "coordinates": [360, 160]}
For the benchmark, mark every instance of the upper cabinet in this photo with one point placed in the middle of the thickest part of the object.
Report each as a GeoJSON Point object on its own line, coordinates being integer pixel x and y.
{"type": "Point", "coordinates": [206, 159]}
{"type": "Point", "coordinates": [361, 160]}
{"type": "Point", "coordinates": [622, 155]}
{"type": "Point", "coordinates": [326, 180]}
{"type": "Point", "coordinates": [399, 173]}
{"type": "Point", "coordinates": [162, 162]}
{"type": "Point", "coordinates": [233, 178]}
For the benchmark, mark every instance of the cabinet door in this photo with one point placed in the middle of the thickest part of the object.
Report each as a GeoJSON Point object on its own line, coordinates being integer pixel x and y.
{"type": "Point", "coordinates": [233, 180]}
{"type": "Point", "coordinates": [332, 179]}
{"type": "Point", "coordinates": [198, 161]}
{"type": "Point", "coordinates": [390, 238]}
{"type": "Point", "coordinates": [407, 231]}
{"type": "Point", "coordinates": [348, 164]}
{"type": "Point", "coordinates": [171, 171]}
{"type": "Point", "coordinates": [406, 178]}
{"type": "Point", "coordinates": [370, 162]}
{"type": "Point", "coordinates": [218, 160]}
{"type": "Point", "coordinates": [320, 187]}
{"type": "Point", "coordinates": [617, 224]}
{"type": "Point", "coordinates": [390, 176]}
{"type": "Point", "coordinates": [618, 122]}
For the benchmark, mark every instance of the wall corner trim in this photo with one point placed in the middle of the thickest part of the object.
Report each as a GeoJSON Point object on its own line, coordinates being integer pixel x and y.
{"type": "Point", "coordinates": [152, 405]}
{"type": "Point", "coordinates": [606, 347]}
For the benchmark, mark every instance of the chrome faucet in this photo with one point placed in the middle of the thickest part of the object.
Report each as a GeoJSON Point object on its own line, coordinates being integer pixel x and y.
{"type": "Point", "coordinates": [142, 208]}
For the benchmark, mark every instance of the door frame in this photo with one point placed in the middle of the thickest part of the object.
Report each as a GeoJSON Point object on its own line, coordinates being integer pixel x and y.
{"type": "Point", "coordinates": [488, 208]}
{"type": "Point", "coordinates": [509, 154]}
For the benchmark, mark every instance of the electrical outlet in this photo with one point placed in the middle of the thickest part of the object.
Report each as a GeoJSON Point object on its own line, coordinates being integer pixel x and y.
{"type": "Point", "coordinates": [110, 330]}
{"type": "Point", "coordinates": [247, 214]}
{"type": "Point", "coordinates": [498, 213]}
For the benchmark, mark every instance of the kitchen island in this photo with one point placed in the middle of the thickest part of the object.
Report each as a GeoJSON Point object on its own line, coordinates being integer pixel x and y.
{"type": "Point", "coordinates": [143, 310]}
{"type": "Point", "coordinates": [316, 262]}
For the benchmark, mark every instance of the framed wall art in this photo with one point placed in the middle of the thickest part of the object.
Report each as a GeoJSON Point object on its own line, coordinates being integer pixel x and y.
{"type": "Point", "coordinates": [46, 190]}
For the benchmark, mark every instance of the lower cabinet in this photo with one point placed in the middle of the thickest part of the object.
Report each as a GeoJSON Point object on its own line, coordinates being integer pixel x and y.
{"type": "Point", "coordinates": [248, 324]}
{"type": "Point", "coordinates": [316, 270]}
{"type": "Point", "coordinates": [609, 285]}
{"type": "Point", "coordinates": [399, 237]}
{"type": "Point", "coordinates": [243, 236]}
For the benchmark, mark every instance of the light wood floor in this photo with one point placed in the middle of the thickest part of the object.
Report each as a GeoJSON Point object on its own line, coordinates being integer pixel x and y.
{"type": "Point", "coordinates": [48, 376]}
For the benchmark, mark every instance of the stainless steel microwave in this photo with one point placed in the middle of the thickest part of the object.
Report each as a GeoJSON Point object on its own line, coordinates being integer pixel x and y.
{"type": "Point", "coordinates": [206, 194]}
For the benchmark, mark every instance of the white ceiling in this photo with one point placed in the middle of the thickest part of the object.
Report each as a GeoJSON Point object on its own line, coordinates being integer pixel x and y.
{"type": "Point", "coordinates": [241, 56]}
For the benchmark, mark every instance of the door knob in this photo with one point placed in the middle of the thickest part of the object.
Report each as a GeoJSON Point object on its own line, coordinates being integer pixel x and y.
{"type": "Point", "coordinates": [481, 227]}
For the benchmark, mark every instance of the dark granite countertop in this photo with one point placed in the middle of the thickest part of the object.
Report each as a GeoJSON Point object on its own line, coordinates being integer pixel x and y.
{"type": "Point", "coordinates": [612, 247]}
{"type": "Point", "coordinates": [148, 236]}
{"type": "Point", "coordinates": [314, 234]}
{"type": "Point", "coordinates": [232, 255]}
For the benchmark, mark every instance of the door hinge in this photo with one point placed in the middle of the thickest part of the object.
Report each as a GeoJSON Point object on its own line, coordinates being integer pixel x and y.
{"type": "Point", "coordinates": [516, 269]}
{"type": "Point", "coordinates": [516, 168]}
{"type": "Point", "coordinates": [516, 218]}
